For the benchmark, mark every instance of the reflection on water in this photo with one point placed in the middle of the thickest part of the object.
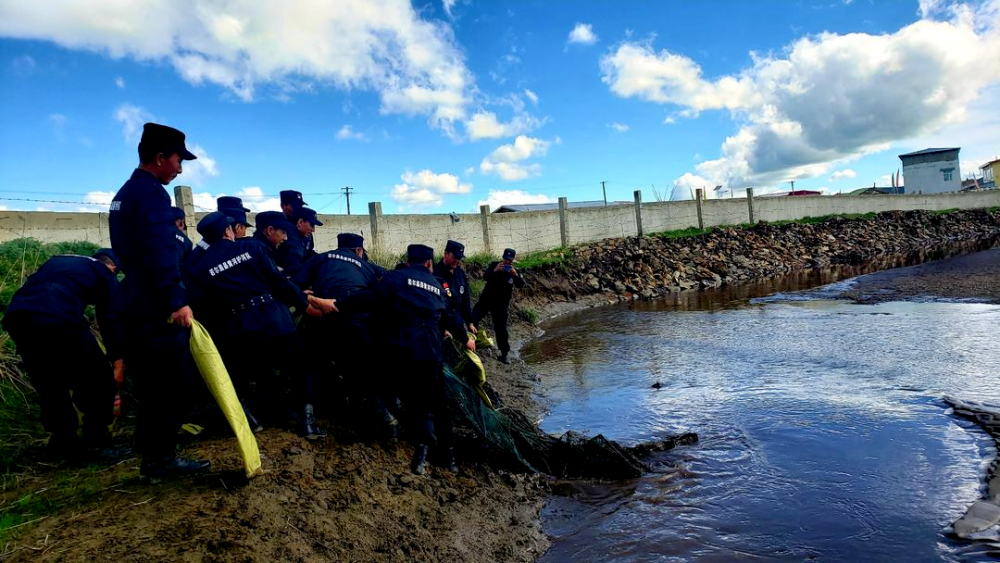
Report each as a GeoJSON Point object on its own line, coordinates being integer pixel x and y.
{"type": "Point", "coordinates": [822, 435]}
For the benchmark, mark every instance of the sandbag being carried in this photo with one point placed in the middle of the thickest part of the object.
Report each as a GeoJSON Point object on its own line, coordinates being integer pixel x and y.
{"type": "Point", "coordinates": [467, 364]}
{"type": "Point", "coordinates": [213, 371]}
{"type": "Point", "coordinates": [483, 339]}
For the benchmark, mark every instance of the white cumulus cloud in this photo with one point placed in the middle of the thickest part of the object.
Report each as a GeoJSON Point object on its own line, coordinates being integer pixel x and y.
{"type": "Point", "coordinates": [506, 161]}
{"type": "Point", "coordinates": [582, 33]}
{"type": "Point", "coordinates": [132, 119]}
{"type": "Point", "coordinates": [531, 96]}
{"type": "Point", "coordinates": [620, 127]}
{"type": "Point", "coordinates": [347, 133]}
{"type": "Point", "coordinates": [828, 97]}
{"type": "Point", "coordinates": [386, 46]}
{"type": "Point", "coordinates": [841, 174]}
{"type": "Point", "coordinates": [427, 189]}
{"type": "Point", "coordinates": [498, 198]}
{"type": "Point", "coordinates": [119, 82]}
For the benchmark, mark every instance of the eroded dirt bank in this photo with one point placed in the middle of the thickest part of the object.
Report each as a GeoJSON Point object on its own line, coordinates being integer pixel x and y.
{"type": "Point", "coordinates": [344, 500]}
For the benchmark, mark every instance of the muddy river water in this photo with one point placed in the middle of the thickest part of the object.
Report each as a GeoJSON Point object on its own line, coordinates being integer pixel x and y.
{"type": "Point", "coordinates": [822, 433]}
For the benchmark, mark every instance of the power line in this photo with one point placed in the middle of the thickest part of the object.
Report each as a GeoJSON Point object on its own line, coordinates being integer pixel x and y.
{"type": "Point", "coordinates": [52, 201]}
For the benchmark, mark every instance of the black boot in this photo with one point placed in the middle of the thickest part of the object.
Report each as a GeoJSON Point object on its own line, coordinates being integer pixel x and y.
{"type": "Point", "coordinates": [419, 463]}
{"type": "Point", "coordinates": [449, 460]}
{"type": "Point", "coordinates": [175, 467]}
{"type": "Point", "coordinates": [308, 428]}
{"type": "Point", "coordinates": [252, 421]}
{"type": "Point", "coordinates": [503, 359]}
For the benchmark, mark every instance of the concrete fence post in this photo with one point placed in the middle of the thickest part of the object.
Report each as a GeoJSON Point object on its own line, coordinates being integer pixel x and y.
{"type": "Point", "coordinates": [184, 199]}
{"type": "Point", "coordinates": [750, 204]}
{"type": "Point", "coordinates": [638, 212]}
{"type": "Point", "coordinates": [484, 215]}
{"type": "Point", "coordinates": [375, 216]}
{"type": "Point", "coordinates": [697, 196]}
{"type": "Point", "coordinates": [563, 223]}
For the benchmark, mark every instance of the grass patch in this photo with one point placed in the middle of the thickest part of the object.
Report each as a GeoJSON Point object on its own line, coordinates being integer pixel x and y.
{"type": "Point", "coordinates": [945, 211]}
{"type": "Point", "coordinates": [529, 315]}
{"type": "Point", "coordinates": [476, 288]}
{"type": "Point", "coordinates": [682, 233]}
{"type": "Point", "coordinates": [536, 259]}
{"type": "Point", "coordinates": [825, 218]}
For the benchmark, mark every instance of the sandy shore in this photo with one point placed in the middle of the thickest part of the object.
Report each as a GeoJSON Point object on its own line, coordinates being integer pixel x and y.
{"type": "Point", "coordinates": [971, 276]}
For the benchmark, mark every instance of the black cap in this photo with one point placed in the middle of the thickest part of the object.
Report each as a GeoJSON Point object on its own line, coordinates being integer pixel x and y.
{"type": "Point", "coordinates": [307, 214]}
{"type": "Point", "coordinates": [237, 216]}
{"type": "Point", "coordinates": [110, 254]}
{"type": "Point", "coordinates": [231, 202]}
{"type": "Point", "coordinates": [213, 226]}
{"type": "Point", "coordinates": [509, 253]}
{"type": "Point", "coordinates": [274, 219]}
{"type": "Point", "coordinates": [160, 138]}
{"type": "Point", "coordinates": [456, 248]}
{"type": "Point", "coordinates": [350, 240]}
{"type": "Point", "coordinates": [419, 253]}
{"type": "Point", "coordinates": [178, 213]}
{"type": "Point", "coordinates": [292, 197]}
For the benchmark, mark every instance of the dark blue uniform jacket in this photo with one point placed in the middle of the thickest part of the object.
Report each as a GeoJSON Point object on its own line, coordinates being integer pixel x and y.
{"type": "Point", "coordinates": [59, 292]}
{"type": "Point", "coordinates": [336, 274]}
{"type": "Point", "coordinates": [184, 244]}
{"type": "Point", "coordinates": [499, 286]}
{"type": "Point", "coordinates": [293, 254]}
{"type": "Point", "coordinates": [144, 238]}
{"type": "Point", "coordinates": [412, 313]}
{"type": "Point", "coordinates": [456, 285]}
{"type": "Point", "coordinates": [239, 275]}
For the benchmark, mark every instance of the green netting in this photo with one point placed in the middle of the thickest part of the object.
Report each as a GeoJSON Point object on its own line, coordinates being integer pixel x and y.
{"type": "Point", "coordinates": [518, 444]}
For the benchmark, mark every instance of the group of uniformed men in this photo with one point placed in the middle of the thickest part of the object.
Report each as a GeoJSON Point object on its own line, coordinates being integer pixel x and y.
{"type": "Point", "coordinates": [242, 289]}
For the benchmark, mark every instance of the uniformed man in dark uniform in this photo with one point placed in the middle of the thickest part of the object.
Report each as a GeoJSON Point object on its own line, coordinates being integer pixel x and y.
{"type": "Point", "coordinates": [272, 231]}
{"type": "Point", "coordinates": [412, 310]}
{"type": "Point", "coordinates": [241, 225]}
{"type": "Point", "coordinates": [338, 274]}
{"type": "Point", "coordinates": [243, 285]}
{"type": "Point", "coordinates": [455, 282]}
{"type": "Point", "coordinates": [45, 318]}
{"type": "Point", "coordinates": [182, 239]}
{"type": "Point", "coordinates": [290, 201]}
{"type": "Point", "coordinates": [293, 254]}
{"type": "Point", "coordinates": [152, 302]}
{"type": "Point", "coordinates": [501, 279]}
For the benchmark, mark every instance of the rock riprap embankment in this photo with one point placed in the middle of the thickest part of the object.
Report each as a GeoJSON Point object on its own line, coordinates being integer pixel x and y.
{"type": "Point", "coordinates": [649, 267]}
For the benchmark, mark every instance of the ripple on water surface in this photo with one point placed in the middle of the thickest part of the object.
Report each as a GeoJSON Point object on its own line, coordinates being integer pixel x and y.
{"type": "Point", "coordinates": [822, 433]}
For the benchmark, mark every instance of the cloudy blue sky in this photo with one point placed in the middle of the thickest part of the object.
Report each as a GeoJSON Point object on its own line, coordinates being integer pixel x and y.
{"type": "Point", "coordinates": [439, 106]}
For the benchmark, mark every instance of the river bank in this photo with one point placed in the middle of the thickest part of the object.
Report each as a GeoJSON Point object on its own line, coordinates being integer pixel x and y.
{"type": "Point", "coordinates": [343, 499]}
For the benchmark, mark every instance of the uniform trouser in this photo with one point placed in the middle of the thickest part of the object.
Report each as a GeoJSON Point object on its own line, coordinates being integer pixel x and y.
{"type": "Point", "coordinates": [249, 359]}
{"type": "Point", "coordinates": [60, 360]}
{"type": "Point", "coordinates": [420, 386]}
{"type": "Point", "coordinates": [158, 359]}
{"type": "Point", "coordinates": [499, 313]}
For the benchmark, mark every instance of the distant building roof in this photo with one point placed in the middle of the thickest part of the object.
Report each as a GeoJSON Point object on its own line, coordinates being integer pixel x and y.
{"type": "Point", "coordinates": [988, 164]}
{"type": "Point", "coordinates": [794, 193]}
{"type": "Point", "coordinates": [875, 190]}
{"type": "Point", "coordinates": [929, 151]}
{"type": "Point", "coordinates": [524, 207]}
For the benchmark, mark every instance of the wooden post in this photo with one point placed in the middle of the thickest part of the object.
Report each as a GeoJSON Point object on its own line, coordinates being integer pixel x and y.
{"type": "Point", "coordinates": [750, 204]}
{"type": "Point", "coordinates": [484, 215]}
{"type": "Point", "coordinates": [563, 223]}
{"type": "Point", "coordinates": [375, 216]}
{"type": "Point", "coordinates": [184, 198]}
{"type": "Point", "coordinates": [697, 196]}
{"type": "Point", "coordinates": [638, 212]}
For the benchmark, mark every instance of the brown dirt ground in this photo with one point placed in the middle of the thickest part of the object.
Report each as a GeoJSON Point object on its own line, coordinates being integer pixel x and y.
{"type": "Point", "coordinates": [970, 276]}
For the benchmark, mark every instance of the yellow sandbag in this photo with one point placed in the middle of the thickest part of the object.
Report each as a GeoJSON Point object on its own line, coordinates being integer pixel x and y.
{"type": "Point", "coordinates": [471, 367]}
{"type": "Point", "coordinates": [213, 371]}
{"type": "Point", "coordinates": [483, 339]}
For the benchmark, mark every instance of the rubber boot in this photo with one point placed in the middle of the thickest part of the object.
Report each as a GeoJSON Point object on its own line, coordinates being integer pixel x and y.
{"type": "Point", "coordinates": [309, 429]}
{"type": "Point", "coordinates": [175, 467]}
{"type": "Point", "coordinates": [419, 463]}
{"type": "Point", "coordinates": [503, 359]}
{"type": "Point", "coordinates": [449, 460]}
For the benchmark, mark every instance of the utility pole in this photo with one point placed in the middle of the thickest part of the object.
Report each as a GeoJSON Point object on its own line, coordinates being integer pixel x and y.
{"type": "Point", "coordinates": [347, 192]}
{"type": "Point", "coordinates": [793, 185]}
{"type": "Point", "coordinates": [605, 193]}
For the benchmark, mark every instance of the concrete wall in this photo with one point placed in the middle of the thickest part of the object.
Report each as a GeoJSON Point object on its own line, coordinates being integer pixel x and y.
{"type": "Point", "coordinates": [529, 232]}
{"type": "Point", "coordinates": [924, 174]}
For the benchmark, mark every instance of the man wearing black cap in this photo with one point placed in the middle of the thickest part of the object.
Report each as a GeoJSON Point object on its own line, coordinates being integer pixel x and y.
{"type": "Point", "coordinates": [245, 288]}
{"type": "Point", "coordinates": [290, 201]}
{"type": "Point", "coordinates": [49, 310]}
{"type": "Point", "coordinates": [293, 254]}
{"type": "Point", "coordinates": [455, 282]}
{"type": "Point", "coordinates": [338, 274]}
{"type": "Point", "coordinates": [501, 279]}
{"type": "Point", "coordinates": [180, 220]}
{"type": "Point", "coordinates": [152, 302]}
{"type": "Point", "coordinates": [272, 231]}
{"type": "Point", "coordinates": [412, 311]}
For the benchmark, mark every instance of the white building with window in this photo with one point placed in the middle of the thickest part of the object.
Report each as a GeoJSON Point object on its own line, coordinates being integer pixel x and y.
{"type": "Point", "coordinates": [931, 171]}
